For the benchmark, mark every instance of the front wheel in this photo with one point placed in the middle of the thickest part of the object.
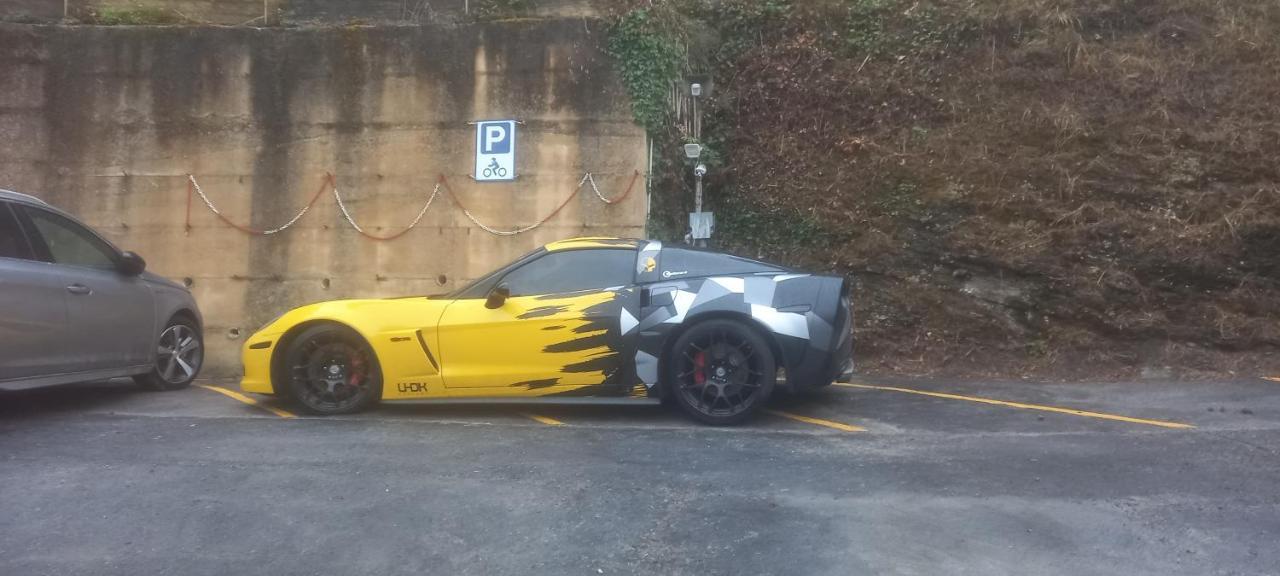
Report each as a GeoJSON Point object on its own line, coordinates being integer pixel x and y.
{"type": "Point", "coordinates": [721, 372]}
{"type": "Point", "coordinates": [179, 355]}
{"type": "Point", "coordinates": [329, 369]}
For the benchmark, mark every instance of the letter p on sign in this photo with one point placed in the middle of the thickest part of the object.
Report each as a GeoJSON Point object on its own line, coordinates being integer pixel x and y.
{"type": "Point", "coordinates": [495, 151]}
{"type": "Point", "coordinates": [495, 139]}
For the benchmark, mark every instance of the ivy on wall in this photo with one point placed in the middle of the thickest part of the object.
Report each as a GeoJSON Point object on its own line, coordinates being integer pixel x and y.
{"type": "Point", "coordinates": [499, 9]}
{"type": "Point", "coordinates": [654, 43]}
{"type": "Point", "coordinates": [649, 59]}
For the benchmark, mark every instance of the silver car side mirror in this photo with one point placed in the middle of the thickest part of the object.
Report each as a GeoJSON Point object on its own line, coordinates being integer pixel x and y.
{"type": "Point", "coordinates": [131, 264]}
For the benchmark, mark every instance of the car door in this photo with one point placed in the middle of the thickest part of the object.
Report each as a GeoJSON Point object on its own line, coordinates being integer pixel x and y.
{"type": "Point", "coordinates": [33, 308]}
{"type": "Point", "coordinates": [110, 315]}
{"type": "Point", "coordinates": [560, 329]}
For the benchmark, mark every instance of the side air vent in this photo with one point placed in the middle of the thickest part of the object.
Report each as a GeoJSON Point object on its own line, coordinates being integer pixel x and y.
{"type": "Point", "coordinates": [430, 357]}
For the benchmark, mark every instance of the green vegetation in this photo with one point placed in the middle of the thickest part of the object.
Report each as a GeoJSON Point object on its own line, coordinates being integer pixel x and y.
{"type": "Point", "coordinates": [135, 16]}
{"type": "Point", "coordinates": [21, 18]}
{"type": "Point", "coordinates": [883, 27]}
{"type": "Point", "coordinates": [737, 26]}
{"type": "Point", "coordinates": [780, 228]}
{"type": "Point", "coordinates": [902, 199]}
{"type": "Point", "coordinates": [1020, 146]}
{"type": "Point", "coordinates": [650, 59]}
{"type": "Point", "coordinates": [499, 9]}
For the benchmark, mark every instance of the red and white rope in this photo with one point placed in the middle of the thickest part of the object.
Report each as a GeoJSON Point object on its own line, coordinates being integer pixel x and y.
{"type": "Point", "coordinates": [441, 183]}
{"type": "Point", "coordinates": [497, 232]}
{"type": "Point", "coordinates": [350, 220]}
{"type": "Point", "coordinates": [596, 189]}
{"type": "Point", "coordinates": [534, 226]}
{"type": "Point", "coordinates": [214, 209]}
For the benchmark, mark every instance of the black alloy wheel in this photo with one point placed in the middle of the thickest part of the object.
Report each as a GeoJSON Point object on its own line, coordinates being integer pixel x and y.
{"type": "Point", "coordinates": [329, 369]}
{"type": "Point", "coordinates": [721, 372]}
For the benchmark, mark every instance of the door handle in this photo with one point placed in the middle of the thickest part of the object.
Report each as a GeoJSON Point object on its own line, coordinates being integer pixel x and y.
{"type": "Point", "coordinates": [79, 289]}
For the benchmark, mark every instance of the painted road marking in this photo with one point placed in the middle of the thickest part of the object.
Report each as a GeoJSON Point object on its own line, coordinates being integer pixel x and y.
{"type": "Point", "coordinates": [543, 419]}
{"type": "Point", "coordinates": [818, 421]}
{"type": "Point", "coordinates": [249, 401]}
{"type": "Point", "coordinates": [1072, 411]}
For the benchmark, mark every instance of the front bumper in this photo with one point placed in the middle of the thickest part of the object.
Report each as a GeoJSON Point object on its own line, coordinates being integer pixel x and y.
{"type": "Point", "coordinates": [256, 355]}
{"type": "Point", "coordinates": [846, 374]}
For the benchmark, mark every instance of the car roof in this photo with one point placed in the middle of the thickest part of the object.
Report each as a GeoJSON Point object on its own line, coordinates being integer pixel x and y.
{"type": "Point", "coordinates": [11, 196]}
{"type": "Point", "coordinates": [593, 242]}
{"type": "Point", "coordinates": [20, 197]}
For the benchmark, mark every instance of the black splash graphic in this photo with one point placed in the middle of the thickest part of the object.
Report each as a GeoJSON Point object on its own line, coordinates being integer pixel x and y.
{"type": "Point", "coordinates": [543, 311]}
{"type": "Point", "coordinates": [537, 384]}
{"type": "Point", "coordinates": [599, 333]}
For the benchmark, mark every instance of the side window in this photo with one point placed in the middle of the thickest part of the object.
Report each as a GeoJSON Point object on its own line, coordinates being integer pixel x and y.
{"type": "Point", "coordinates": [69, 243]}
{"type": "Point", "coordinates": [573, 271]}
{"type": "Point", "coordinates": [679, 262]}
{"type": "Point", "coordinates": [12, 243]}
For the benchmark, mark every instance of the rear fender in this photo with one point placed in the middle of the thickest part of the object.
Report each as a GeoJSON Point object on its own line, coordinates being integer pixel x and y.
{"type": "Point", "coordinates": [786, 308]}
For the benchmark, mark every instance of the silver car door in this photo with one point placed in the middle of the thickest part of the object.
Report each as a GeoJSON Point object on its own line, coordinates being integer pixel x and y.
{"type": "Point", "coordinates": [111, 316]}
{"type": "Point", "coordinates": [33, 309]}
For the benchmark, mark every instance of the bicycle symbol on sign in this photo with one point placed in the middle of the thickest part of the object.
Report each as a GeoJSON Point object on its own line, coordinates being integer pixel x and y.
{"type": "Point", "coordinates": [493, 169]}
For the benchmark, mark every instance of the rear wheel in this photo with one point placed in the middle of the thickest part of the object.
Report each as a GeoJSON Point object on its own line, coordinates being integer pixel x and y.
{"type": "Point", "coordinates": [721, 372]}
{"type": "Point", "coordinates": [179, 356]}
{"type": "Point", "coordinates": [330, 369]}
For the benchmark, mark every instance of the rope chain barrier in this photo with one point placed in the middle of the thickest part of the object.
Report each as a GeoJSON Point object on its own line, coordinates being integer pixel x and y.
{"type": "Point", "coordinates": [195, 186]}
{"type": "Point", "coordinates": [194, 189]}
{"type": "Point", "coordinates": [347, 215]}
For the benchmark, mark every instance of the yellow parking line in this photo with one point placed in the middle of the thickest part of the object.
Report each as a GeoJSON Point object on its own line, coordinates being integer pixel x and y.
{"type": "Point", "coordinates": [1072, 411]}
{"type": "Point", "coordinates": [543, 419]}
{"type": "Point", "coordinates": [818, 421]}
{"type": "Point", "coordinates": [249, 401]}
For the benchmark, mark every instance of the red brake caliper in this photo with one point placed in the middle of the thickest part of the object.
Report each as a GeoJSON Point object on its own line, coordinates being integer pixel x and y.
{"type": "Point", "coordinates": [356, 364]}
{"type": "Point", "coordinates": [700, 368]}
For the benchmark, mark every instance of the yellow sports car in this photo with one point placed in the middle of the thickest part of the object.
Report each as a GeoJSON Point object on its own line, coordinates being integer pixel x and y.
{"type": "Point", "coordinates": [604, 318]}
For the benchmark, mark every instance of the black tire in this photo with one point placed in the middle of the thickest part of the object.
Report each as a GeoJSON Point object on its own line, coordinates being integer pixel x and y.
{"type": "Point", "coordinates": [720, 372]}
{"type": "Point", "coordinates": [330, 369]}
{"type": "Point", "coordinates": [179, 357]}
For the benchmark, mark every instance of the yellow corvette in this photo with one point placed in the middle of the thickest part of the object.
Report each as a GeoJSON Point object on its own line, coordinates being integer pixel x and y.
{"type": "Point", "coordinates": [605, 318]}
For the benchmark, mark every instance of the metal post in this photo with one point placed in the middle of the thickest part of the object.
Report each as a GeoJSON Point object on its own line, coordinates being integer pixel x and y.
{"type": "Point", "coordinates": [697, 126]}
{"type": "Point", "coordinates": [697, 197]}
{"type": "Point", "coordinates": [695, 91]}
{"type": "Point", "coordinates": [648, 185]}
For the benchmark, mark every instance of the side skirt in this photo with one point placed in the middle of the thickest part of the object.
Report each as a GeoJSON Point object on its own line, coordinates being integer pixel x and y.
{"type": "Point", "coordinates": [72, 378]}
{"type": "Point", "coordinates": [544, 400]}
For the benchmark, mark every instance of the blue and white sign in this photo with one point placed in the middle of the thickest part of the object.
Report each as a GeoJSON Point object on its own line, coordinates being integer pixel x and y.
{"type": "Point", "coordinates": [496, 151]}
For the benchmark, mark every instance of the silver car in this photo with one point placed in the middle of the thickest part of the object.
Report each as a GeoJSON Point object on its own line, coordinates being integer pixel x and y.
{"type": "Point", "coordinates": [74, 308]}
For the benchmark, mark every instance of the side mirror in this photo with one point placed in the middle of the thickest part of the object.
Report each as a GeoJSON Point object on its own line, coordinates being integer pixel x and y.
{"type": "Point", "coordinates": [497, 297]}
{"type": "Point", "coordinates": [131, 264]}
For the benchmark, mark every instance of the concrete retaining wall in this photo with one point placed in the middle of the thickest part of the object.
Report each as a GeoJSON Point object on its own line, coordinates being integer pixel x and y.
{"type": "Point", "coordinates": [107, 123]}
{"type": "Point", "coordinates": [288, 12]}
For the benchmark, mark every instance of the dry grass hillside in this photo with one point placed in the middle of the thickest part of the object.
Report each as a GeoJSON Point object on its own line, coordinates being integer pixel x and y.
{"type": "Point", "coordinates": [1079, 188]}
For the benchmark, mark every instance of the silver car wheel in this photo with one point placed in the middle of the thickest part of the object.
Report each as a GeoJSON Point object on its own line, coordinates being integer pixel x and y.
{"type": "Point", "coordinates": [179, 354]}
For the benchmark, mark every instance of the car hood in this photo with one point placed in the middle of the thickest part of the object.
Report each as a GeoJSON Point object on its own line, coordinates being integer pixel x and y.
{"type": "Point", "coordinates": [366, 315]}
{"type": "Point", "coordinates": [161, 280]}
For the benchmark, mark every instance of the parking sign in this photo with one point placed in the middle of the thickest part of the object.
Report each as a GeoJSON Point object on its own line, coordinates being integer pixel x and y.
{"type": "Point", "coordinates": [495, 151]}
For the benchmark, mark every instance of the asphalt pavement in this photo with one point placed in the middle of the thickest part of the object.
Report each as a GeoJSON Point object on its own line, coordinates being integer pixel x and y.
{"type": "Point", "coordinates": [881, 477]}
